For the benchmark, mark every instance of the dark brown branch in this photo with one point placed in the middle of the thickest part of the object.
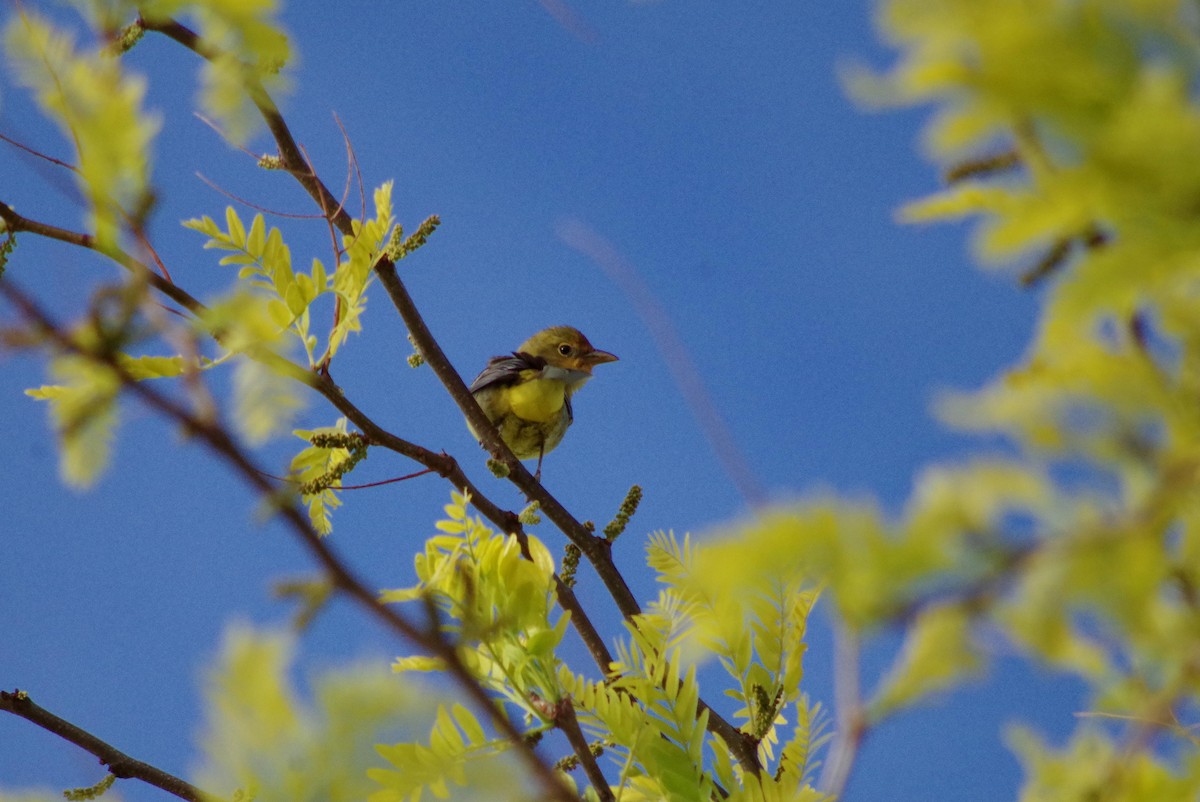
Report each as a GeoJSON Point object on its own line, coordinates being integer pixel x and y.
{"type": "Point", "coordinates": [295, 163]}
{"type": "Point", "coordinates": [339, 573]}
{"type": "Point", "coordinates": [448, 468]}
{"type": "Point", "coordinates": [121, 765]}
{"type": "Point", "coordinates": [18, 223]}
{"type": "Point", "coordinates": [443, 464]}
{"type": "Point", "coordinates": [597, 550]}
{"type": "Point", "coordinates": [565, 720]}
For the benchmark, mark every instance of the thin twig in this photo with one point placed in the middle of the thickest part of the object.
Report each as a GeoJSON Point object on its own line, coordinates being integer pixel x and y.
{"type": "Point", "coordinates": [597, 550]}
{"type": "Point", "coordinates": [443, 464]}
{"type": "Point", "coordinates": [38, 154]}
{"type": "Point", "coordinates": [343, 579]}
{"type": "Point", "coordinates": [19, 223]}
{"type": "Point", "coordinates": [252, 205]}
{"type": "Point", "coordinates": [851, 717]}
{"type": "Point", "coordinates": [121, 765]}
{"type": "Point", "coordinates": [657, 320]}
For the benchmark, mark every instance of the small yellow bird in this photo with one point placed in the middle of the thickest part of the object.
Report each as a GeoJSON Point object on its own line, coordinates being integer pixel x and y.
{"type": "Point", "coordinates": [527, 394]}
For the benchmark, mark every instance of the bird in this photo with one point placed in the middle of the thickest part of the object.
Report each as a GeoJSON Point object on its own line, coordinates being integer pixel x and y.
{"type": "Point", "coordinates": [527, 394]}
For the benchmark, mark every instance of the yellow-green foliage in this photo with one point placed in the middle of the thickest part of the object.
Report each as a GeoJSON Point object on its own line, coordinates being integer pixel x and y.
{"type": "Point", "coordinates": [83, 412]}
{"type": "Point", "coordinates": [353, 275]}
{"type": "Point", "coordinates": [315, 462]}
{"type": "Point", "coordinates": [756, 631]}
{"type": "Point", "coordinates": [457, 755]}
{"type": "Point", "coordinates": [497, 602]}
{"type": "Point", "coordinates": [248, 328]}
{"type": "Point", "coordinates": [266, 266]}
{"type": "Point", "coordinates": [1098, 575]}
{"type": "Point", "coordinates": [263, 739]}
{"type": "Point", "coordinates": [499, 606]}
{"type": "Point", "coordinates": [99, 109]}
{"type": "Point", "coordinates": [247, 47]}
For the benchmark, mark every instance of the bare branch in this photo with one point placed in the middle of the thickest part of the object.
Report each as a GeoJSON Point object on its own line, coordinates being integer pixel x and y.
{"type": "Point", "coordinates": [121, 765]}
{"type": "Point", "coordinates": [597, 550]}
{"type": "Point", "coordinates": [565, 719]}
{"type": "Point", "coordinates": [343, 579]}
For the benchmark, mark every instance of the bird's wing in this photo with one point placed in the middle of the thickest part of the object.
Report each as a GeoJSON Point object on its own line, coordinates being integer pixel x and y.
{"type": "Point", "coordinates": [502, 370]}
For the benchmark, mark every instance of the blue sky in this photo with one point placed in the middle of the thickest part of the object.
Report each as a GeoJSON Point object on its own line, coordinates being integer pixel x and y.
{"type": "Point", "coordinates": [716, 150]}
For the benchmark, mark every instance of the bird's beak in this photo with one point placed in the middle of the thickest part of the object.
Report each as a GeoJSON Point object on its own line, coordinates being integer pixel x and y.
{"type": "Point", "coordinates": [585, 362]}
{"type": "Point", "coordinates": [600, 357]}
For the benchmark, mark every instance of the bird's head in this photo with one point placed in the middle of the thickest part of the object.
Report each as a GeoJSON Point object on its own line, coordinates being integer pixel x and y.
{"type": "Point", "coordinates": [566, 348]}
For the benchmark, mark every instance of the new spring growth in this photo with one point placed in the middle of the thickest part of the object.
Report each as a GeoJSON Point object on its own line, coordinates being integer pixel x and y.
{"type": "Point", "coordinates": [6, 247]}
{"type": "Point", "coordinates": [570, 564]}
{"type": "Point", "coordinates": [355, 442]}
{"type": "Point", "coordinates": [398, 248]}
{"type": "Point", "coordinates": [129, 36]}
{"type": "Point", "coordinates": [311, 593]}
{"type": "Point", "coordinates": [571, 762]}
{"type": "Point", "coordinates": [415, 360]}
{"type": "Point", "coordinates": [269, 162]}
{"type": "Point", "coordinates": [628, 508]}
{"type": "Point", "coordinates": [92, 792]}
{"type": "Point", "coordinates": [766, 710]}
{"type": "Point", "coordinates": [529, 516]}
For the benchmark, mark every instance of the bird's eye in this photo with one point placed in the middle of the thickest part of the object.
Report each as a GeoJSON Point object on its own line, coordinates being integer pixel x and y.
{"type": "Point", "coordinates": [565, 349]}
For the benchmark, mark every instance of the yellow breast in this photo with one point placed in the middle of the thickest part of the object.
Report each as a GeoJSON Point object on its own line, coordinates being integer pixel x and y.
{"type": "Point", "coordinates": [539, 400]}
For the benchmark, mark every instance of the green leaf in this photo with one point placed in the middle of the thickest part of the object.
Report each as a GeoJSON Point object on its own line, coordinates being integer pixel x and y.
{"type": "Point", "coordinates": [938, 651]}
{"type": "Point", "coordinates": [83, 413]}
{"type": "Point", "coordinates": [262, 736]}
{"type": "Point", "coordinates": [98, 107]}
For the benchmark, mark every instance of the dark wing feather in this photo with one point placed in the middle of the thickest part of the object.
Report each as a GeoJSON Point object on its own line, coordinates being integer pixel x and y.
{"type": "Point", "coordinates": [503, 370]}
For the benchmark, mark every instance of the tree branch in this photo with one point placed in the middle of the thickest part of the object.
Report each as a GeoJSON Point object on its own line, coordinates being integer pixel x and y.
{"type": "Point", "coordinates": [597, 550]}
{"type": "Point", "coordinates": [121, 765]}
{"type": "Point", "coordinates": [17, 223]}
{"type": "Point", "coordinates": [445, 465]}
{"type": "Point", "coordinates": [565, 719]}
{"type": "Point", "coordinates": [342, 578]}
